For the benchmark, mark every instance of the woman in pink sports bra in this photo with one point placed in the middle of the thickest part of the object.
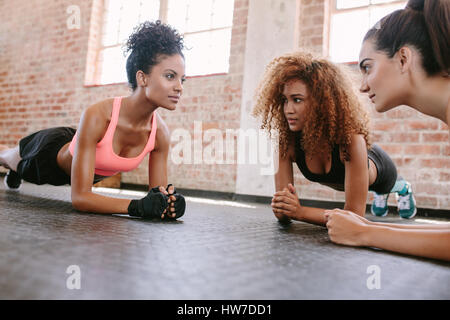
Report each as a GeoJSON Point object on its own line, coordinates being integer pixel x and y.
{"type": "Point", "coordinates": [114, 135]}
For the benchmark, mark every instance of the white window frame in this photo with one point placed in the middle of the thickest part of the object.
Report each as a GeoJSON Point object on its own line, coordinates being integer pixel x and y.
{"type": "Point", "coordinates": [199, 64]}
{"type": "Point", "coordinates": [333, 10]}
{"type": "Point", "coordinates": [163, 16]}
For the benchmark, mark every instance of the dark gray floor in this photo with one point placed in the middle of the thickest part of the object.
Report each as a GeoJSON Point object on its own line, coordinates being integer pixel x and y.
{"type": "Point", "coordinates": [216, 251]}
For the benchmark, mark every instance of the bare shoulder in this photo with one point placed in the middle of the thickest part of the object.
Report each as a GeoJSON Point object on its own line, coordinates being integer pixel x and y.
{"type": "Point", "coordinates": [162, 134]}
{"type": "Point", "coordinates": [358, 142]}
{"type": "Point", "coordinates": [356, 148]}
{"type": "Point", "coordinates": [95, 119]}
{"type": "Point", "coordinates": [100, 110]}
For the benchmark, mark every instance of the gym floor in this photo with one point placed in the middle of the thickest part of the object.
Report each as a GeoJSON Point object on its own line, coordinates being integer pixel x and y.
{"type": "Point", "coordinates": [217, 250]}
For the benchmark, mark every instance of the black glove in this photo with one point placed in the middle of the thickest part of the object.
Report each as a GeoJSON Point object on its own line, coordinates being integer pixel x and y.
{"type": "Point", "coordinates": [151, 206]}
{"type": "Point", "coordinates": [179, 204]}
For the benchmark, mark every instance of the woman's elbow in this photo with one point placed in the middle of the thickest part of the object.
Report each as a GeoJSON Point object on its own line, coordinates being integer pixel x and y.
{"type": "Point", "coordinates": [79, 202]}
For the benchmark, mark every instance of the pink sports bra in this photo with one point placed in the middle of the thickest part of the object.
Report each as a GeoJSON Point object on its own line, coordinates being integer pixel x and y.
{"type": "Point", "coordinates": [107, 162]}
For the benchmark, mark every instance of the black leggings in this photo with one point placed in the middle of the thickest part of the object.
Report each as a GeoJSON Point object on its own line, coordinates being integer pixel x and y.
{"type": "Point", "coordinates": [386, 170]}
{"type": "Point", "coordinates": [39, 151]}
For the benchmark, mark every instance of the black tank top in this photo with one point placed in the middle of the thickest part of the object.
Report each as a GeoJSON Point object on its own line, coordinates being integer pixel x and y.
{"type": "Point", "coordinates": [335, 176]}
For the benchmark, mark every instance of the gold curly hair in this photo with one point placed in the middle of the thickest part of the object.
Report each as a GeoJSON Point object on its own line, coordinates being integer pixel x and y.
{"type": "Point", "coordinates": [334, 111]}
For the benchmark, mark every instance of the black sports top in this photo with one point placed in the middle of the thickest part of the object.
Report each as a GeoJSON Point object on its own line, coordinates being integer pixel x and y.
{"type": "Point", "coordinates": [336, 175]}
{"type": "Point", "coordinates": [335, 178]}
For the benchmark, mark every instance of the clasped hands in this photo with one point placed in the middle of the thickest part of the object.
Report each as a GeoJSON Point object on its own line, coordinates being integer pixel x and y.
{"type": "Point", "coordinates": [344, 227]}
{"type": "Point", "coordinates": [286, 204]}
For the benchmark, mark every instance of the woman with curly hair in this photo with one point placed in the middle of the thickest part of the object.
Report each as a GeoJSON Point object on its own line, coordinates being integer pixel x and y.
{"type": "Point", "coordinates": [114, 135]}
{"type": "Point", "coordinates": [322, 127]}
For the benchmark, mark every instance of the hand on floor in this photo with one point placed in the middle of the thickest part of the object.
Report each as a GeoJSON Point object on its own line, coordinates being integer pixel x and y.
{"type": "Point", "coordinates": [285, 202]}
{"type": "Point", "coordinates": [177, 203]}
{"type": "Point", "coordinates": [345, 227]}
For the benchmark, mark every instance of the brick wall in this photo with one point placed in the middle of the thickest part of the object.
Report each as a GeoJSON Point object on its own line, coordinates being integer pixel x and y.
{"type": "Point", "coordinates": [43, 83]}
{"type": "Point", "coordinates": [43, 67]}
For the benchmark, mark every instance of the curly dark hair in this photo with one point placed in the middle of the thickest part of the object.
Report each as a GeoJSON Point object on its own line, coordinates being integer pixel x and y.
{"type": "Point", "coordinates": [335, 112]}
{"type": "Point", "coordinates": [148, 43]}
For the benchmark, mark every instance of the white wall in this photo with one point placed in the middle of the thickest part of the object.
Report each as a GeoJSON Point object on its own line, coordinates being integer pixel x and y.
{"type": "Point", "coordinates": [270, 33]}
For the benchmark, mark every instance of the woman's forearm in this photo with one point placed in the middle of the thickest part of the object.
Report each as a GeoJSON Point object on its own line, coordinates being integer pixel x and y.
{"type": "Point", "coordinates": [445, 226]}
{"type": "Point", "coordinates": [92, 202]}
{"type": "Point", "coordinates": [312, 215]}
{"type": "Point", "coordinates": [418, 242]}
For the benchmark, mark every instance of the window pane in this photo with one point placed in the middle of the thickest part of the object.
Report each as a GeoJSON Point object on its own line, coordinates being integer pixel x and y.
{"type": "Point", "coordinates": [345, 39]}
{"type": "Point", "coordinates": [382, 1]}
{"type": "Point", "coordinates": [122, 16]}
{"type": "Point", "coordinates": [177, 14]}
{"type": "Point", "coordinates": [208, 53]}
{"type": "Point", "coordinates": [112, 64]}
{"type": "Point", "coordinates": [129, 18]}
{"type": "Point", "coordinates": [111, 22]}
{"type": "Point", "coordinates": [222, 13]}
{"type": "Point", "coordinates": [198, 15]}
{"type": "Point", "coordinates": [345, 4]}
{"type": "Point", "coordinates": [376, 12]}
{"type": "Point", "coordinates": [220, 50]}
{"type": "Point", "coordinates": [149, 10]}
{"type": "Point", "coordinates": [210, 50]}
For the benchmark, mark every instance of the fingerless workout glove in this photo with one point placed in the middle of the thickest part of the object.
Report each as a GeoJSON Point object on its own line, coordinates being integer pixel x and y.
{"type": "Point", "coordinates": [151, 206]}
{"type": "Point", "coordinates": [179, 204]}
